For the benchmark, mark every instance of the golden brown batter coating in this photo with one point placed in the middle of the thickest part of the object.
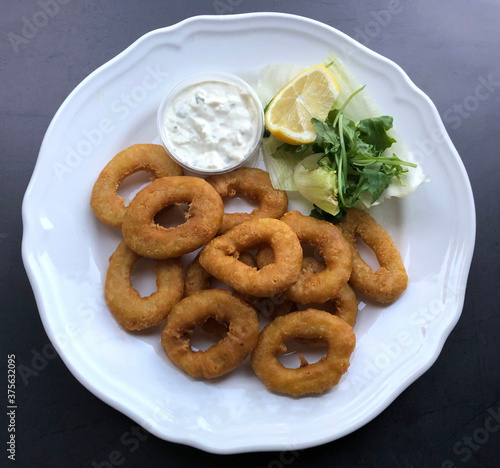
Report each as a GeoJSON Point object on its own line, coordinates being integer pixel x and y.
{"type": "Point", "coordinates": [316, 286]}
{"type": "Point", "coordinates": [308, 378]}
{"type": "Point", "coordinates": [132, 311]}
{"type": "Point", "coordinates": [204, 217]}
{"type": "Point", "coordinates": [228, 353]}
{"type": "Point", "coordinates": [388, 282]}
{"type": "Point", "coordinates": [220, 257]}
{"type": "Point", "coordinates": [108, 206]}
{"type": "Point", "coordinates": [254, 185]}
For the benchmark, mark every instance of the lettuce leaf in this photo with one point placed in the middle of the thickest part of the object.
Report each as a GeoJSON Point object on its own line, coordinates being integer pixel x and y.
{"type": "Point", "coordinates": [362, 181]}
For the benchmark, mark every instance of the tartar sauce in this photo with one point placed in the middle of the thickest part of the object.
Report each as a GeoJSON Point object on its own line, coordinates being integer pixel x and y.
{"type": "Point", "coordinates": [212, 125]}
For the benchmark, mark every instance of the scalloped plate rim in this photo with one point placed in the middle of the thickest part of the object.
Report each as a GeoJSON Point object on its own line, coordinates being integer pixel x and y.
{"type": "Point", "coordinates": [31, 265]}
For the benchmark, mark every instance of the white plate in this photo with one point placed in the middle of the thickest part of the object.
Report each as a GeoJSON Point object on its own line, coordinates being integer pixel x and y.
{"type": "Point", "coordinates": [66, 250]}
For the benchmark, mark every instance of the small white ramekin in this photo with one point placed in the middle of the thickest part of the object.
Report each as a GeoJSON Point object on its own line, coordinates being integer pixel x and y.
{"type": "Point", "coordinates": [201, 77]}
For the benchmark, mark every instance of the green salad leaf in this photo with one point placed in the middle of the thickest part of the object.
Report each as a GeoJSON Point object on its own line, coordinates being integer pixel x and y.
{"type": "Point", "coordinates": [317, 183]}
{"type": "Point", "coordinates": [374, 132]}
{"type": "Point", "coordinates": [353, 154]}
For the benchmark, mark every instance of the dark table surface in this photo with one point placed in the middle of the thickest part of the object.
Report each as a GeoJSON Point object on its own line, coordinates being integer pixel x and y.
{"type": "Point", "coordinates": [448, 417]}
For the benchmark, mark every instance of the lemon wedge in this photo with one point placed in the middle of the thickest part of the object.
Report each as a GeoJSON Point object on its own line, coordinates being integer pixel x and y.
{"type": "Point", "coordinates": [310, 94]}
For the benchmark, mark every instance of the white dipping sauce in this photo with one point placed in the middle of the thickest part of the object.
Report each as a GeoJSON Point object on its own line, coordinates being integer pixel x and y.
{"type": "Point", "coordinates": [212, 125]}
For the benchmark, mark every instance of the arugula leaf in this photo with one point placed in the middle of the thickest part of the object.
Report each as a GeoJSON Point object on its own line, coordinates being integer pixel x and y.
{"type": "Point", "coordinates": [325, 134]}
{"type": "Point", "coordinates": [332, 115]}
{"type": "Point", "coordinates": [377, 182]}
{"type": "Point", "coordinates": [348, 100]}
{"type": "Point", "coordinates": [362, 151]}
{"type": "Point", "coordinates": [367, 159]}
{"type": "Point", "coordinates": [355, 152]}
{"type": "Point", "coordinates": [374, 132]}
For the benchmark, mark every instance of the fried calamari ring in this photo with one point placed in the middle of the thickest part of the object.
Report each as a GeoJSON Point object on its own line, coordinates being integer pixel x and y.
{"type": "Point", "coordinates": [198, 279]}
{"type": "Point", "coordinates": [132, 311]}
{"type": "Point", "coordinates": [388, 282]}
{"type": "Point", "coordinates": [270, 307]}
{"type": "Point", "coordinates": [108, 206]}
{"type": "Point", "coordinates": [345, 307]}
{"type": "Point", "coordinates": [220, 257]}
{"type": "Point", "coordinates": [309, 378]}
{"type": "Point", "coordinates": [323, 285]}
{"type": "Point", "coordinates": [149, 239]}
{"type": "Point", "coordinates": [345, 304]}
{"type": "Point", "coordinates": [254, 185]}
{"type": "Point", "coordinates": [222, 357]}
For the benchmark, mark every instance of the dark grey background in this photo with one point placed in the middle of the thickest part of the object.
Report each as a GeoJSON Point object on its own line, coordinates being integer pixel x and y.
{"type": "Point", "coordinates": [446, 47]}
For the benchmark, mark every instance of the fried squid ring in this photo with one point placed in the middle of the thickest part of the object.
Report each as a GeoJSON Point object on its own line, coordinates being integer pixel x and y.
{"type": "Point", "coordinates": [132, 311]}
{"type": "Point", "coordinates": [309, 378]}
{"type": "Point", "coordinates": [222, 357]}
{"type": "Point", "coordinates": [270, 307]}
{"type": "Point", "coordinates": [388, 282]}
{"type": "Point", "coordinates": [345, 304]}
{"type": "Point", "coordinates": [108, 206]}
{"type": "Point", "coordinates": [220, 257]}
{"type": "Point", "coordinates": [198, 279]}
{"type": "Point", "coordinates": [254, 185]}
{"type": "Point", "coordinates": [323, 285]}
{"type": "Point", "coordinates": [149, 239]}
